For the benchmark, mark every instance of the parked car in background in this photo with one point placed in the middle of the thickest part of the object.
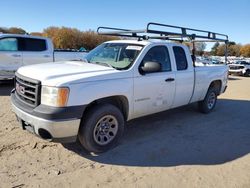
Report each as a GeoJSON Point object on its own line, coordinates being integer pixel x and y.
{"type": "Point", "coordinates": [207, 61]}
{"type": "Point", "coordinates": [217, 62]}
{"type": "Point", "coordinates": [241, 68]}
{"type": "Point", "coordinates": [20, 50]}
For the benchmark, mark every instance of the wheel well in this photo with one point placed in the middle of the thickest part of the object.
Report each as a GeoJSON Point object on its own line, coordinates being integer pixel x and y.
{"type": "Point", "coordinates": [217, 85]}
{"type": "Point", "coordinates": [119, 101]}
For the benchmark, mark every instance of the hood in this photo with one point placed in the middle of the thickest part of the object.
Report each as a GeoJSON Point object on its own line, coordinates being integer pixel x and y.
{"type": "Point", "coordinates": [57, 73]}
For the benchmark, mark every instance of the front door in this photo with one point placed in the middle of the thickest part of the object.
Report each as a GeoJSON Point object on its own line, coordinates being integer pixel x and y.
{"type": "Point", "coordinates": [154, 92]}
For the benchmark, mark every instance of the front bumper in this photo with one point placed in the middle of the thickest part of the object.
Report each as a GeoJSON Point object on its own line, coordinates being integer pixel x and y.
{"type": "Point", "coordinates": [236, 71]}
{"type": "Point", "coordinates": [53, 125]}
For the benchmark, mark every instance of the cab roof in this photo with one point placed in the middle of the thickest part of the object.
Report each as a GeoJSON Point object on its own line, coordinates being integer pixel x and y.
{"type": "Point", "coordinates": [21, 35]}
{"type": "Point", "coordinates": [141, 42]}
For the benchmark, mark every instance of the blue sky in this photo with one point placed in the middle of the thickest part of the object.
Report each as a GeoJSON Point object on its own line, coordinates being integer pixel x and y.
{"type": "Point", "coordinates": [229, 17]}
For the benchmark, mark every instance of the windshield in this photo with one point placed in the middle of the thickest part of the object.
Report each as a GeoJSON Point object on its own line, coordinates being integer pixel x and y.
{"type": "Point", "coordinates": [116, 55]}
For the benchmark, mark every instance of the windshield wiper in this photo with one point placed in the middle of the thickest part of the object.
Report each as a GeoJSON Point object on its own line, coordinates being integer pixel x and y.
{"type": "Point", "coordinates": [85, 60]}
{"type": "Point", "coordinates": [104, 64]}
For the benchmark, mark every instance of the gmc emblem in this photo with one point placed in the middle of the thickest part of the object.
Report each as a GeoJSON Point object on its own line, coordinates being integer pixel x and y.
{"type": "Point", "coordinates": [20, 89]}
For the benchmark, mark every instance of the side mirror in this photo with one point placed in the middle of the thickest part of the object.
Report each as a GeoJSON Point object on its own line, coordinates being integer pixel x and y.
{"type": "Point", "coordinates": [150, 67]}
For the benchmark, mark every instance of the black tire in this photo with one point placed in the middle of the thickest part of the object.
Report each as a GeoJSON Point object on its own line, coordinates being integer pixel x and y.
{"type": "Point", "coordinates": [93, 128]}
{"type": "Point", "coordinates": [209, 102]}
{"type": "Point", "coordinates": [247, 73]}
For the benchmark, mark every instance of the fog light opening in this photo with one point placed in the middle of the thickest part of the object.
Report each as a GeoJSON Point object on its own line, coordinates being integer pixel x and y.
{"type": "Point", "coordinates": [44, 134]}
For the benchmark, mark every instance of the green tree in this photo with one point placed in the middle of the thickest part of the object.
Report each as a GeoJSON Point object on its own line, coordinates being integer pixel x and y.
{"type": "Point", "coordinates": [200, 48]}
{"type": "Point", "coordinates": [230, 43]}
{"type": "Point", "coordinates": [214, 49]}
{"type": "Point", "coordinates": [221, 50]}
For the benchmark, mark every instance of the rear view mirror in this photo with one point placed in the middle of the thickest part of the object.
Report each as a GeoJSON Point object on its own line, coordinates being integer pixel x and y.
{"type": "Point", "coordinates": [150, 67]}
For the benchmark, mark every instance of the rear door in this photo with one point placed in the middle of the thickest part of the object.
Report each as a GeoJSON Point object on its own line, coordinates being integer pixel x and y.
{"type": "Point", "coordinates": [154, 92]}
{"type": "Point", "coordinates": [10, 57]}
{"type": "Point", "coordinates": [35, 51]}
{"type": "Point", "coordinates": [184, 76]}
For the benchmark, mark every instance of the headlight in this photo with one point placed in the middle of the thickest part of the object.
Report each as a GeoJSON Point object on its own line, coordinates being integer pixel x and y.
{"type": "Point", "coordinates": [53, 96]}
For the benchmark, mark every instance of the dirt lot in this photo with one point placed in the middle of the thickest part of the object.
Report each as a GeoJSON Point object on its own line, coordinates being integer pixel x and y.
{"type": "Point", "coordinates": [177, 148]}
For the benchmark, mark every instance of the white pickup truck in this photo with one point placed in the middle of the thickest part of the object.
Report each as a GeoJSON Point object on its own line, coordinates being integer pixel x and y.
{"type": "Point", "coordinates": [20, 50]}
{"type": "Point", "coordinates": [118, 81]}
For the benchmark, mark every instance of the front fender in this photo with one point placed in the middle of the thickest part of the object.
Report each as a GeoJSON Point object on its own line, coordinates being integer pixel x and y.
{"type": "Point", "coordinates": [86, 93]}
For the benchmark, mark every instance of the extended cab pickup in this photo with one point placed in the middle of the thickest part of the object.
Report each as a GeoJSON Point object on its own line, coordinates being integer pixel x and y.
{"type": "Point", "coordinates": [118, 81]}
{"type": "Point", "coordinates": [20, 50]}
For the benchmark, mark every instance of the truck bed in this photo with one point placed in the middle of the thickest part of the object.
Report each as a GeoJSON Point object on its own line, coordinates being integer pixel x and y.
{"type": "Point", "coordinates": [204, 75]}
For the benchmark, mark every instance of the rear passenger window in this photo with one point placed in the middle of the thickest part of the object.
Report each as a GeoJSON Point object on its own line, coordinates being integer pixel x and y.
{"type": "Point", "coordinates": [8, 44]}
{"type": "Point", "coordinates": [159, 54]}
{"type": "Point", "coordinates": [32, 44]}
{"type": "Point", "coordinates": [180, 58]}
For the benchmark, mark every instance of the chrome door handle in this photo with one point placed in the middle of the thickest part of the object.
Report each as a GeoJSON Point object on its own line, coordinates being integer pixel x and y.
{"type": "Point", "coordinates": [16, 55]}
{"type": "Point", "coordinates": [46, 56]}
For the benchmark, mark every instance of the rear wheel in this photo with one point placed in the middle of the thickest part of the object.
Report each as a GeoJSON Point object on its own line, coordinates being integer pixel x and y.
{"type": "Point", "coordinates": [247, 73]}
{"type": "Point", "coordinates": [102, 128]}
{"type": "Point", "coordinates": [208, 104]}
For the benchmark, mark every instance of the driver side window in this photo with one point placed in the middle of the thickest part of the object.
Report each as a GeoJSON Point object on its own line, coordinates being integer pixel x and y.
{"type": "Point", "coordinates": [159, 54]}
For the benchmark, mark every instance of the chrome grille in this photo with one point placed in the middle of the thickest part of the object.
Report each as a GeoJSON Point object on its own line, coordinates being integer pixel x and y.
{"type": "Point", "coordinates": [28, 90]}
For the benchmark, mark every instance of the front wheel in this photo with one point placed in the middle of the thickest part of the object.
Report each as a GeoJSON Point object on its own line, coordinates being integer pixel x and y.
{"type": "Point", "coordinates": [208, 104]}
{"type": "Point", "coordinates": [102, 128]}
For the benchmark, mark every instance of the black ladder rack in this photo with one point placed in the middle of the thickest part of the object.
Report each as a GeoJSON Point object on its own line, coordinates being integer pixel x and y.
{"type": "Point", "coordinates": [181, 33]}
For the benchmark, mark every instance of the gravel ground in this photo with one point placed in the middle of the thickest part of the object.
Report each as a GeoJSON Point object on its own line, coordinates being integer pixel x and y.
{"type": "Point", "coordinates": [176, 148]}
